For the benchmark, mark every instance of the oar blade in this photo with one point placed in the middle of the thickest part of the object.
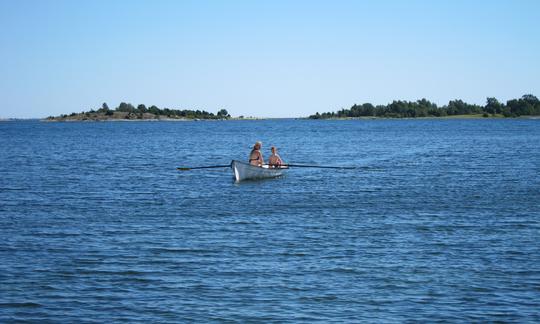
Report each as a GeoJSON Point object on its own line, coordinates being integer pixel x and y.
{"type": "Point", "coordinates": [320, 166]}
{"type": "Point", "coordinates": [204, 167]}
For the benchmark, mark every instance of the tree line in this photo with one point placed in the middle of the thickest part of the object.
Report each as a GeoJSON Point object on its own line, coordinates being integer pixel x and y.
{"type": "Point", "coordinates": [141, 110]}
{"type": "Point", "coordinates": [525, 106]}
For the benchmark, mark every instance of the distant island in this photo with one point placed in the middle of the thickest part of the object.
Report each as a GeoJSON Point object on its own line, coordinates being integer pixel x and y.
{"type": "Point", "coordinates": [527, 105]}
{"type": "Point", "coordinates": [126, 111]}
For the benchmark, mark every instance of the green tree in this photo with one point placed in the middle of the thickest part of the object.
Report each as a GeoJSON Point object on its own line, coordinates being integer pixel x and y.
{"type": "Point", "coordinates": [154, 110]}
{"type": "Point", "coordinates": [423, 108]}
{"type": "Point", "coordinates": [141, 109]}
{"type": "Point", "coordinates": [493, 106]}
{"type": "Point", "coordinates": [530, 99]}
{"type": "Point", "coordinates": [125, 107]}
{"type": "Point", "coordinates": [522, 106]}
{"type": "Point", "coordinates": [223, 113]}
{"type": "Point", "coordinates": [368, 110]}
{"type": "Point", "coordinates": [104, 108]}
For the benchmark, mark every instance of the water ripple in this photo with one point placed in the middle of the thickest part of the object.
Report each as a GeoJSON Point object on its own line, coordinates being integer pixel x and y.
{"type": "Point", "coordinates": [441, 223]}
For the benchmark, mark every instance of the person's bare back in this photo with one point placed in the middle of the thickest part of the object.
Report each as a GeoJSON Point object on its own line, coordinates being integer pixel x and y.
{"type": "Point", "coordinates": [255, 157]}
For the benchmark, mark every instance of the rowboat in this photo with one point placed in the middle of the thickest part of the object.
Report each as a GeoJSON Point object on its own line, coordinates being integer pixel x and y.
{"type": "Point", "coordinates": [245, 171]}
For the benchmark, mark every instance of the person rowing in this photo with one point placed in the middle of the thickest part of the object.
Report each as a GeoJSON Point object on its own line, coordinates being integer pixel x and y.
{"type": "Point", "coordinates": [255, 157]}
{"type": "Point", "coordinates": [274, 161]}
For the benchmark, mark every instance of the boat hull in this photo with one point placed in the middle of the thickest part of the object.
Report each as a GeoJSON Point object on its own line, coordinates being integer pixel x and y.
{"type": "Point", "coordinates": [244, 171]}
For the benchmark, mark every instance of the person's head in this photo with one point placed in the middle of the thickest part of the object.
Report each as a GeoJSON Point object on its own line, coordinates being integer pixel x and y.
{"type": "Point", "coordinates": [257, 145]}
{"type": "Point", "coordinates": [274, 150]}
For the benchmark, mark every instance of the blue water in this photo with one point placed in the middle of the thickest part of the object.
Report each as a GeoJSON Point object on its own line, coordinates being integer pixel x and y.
{"type": "Point", "coordinates": [442, 222]}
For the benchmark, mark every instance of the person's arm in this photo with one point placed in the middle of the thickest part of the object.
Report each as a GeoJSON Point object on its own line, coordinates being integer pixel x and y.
{"type": "Point", "coordinates": [262, 160]}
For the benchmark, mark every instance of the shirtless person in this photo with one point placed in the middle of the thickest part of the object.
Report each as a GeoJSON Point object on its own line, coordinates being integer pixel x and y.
{"type": "Point", "coordinates": [274, 160]}
{"type": "Point", "coordinates": [255, 157]}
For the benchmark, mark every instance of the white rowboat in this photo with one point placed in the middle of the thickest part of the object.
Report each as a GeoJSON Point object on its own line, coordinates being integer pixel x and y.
{"type": "Point", "coordinates": [245, 171]}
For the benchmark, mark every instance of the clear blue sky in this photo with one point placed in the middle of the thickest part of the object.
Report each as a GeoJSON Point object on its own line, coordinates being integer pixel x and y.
{"type": "Point", "coordinates": [262, 58]}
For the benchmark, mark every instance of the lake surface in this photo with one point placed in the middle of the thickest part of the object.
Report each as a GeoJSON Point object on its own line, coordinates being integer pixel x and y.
{"type": "Point", "coordinates": [442, 222]}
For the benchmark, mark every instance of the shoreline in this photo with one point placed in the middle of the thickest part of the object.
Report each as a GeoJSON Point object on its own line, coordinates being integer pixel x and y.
{"type": "Point", "coordinates": [46, 120]}
{"type": "Point", "coordinates": [429, 117]}
{"type": "Point", "coordinates": [365, 118]}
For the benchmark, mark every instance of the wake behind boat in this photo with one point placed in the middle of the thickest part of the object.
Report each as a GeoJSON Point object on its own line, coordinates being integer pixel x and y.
{"type": "Point", "coordinates": [245, 171]}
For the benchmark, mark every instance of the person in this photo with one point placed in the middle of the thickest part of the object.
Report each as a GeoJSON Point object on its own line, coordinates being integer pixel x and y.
{"type": "Point", "coordinates": [274, 160]}
{"type": "Point", "coordinates": [255, 157]}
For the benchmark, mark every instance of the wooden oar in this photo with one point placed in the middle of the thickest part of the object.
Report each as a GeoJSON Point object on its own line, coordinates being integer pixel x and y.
{"type": "Point", "coordinates": [204, 167]}
{"type": "Point", "coordinates": [318, 166]}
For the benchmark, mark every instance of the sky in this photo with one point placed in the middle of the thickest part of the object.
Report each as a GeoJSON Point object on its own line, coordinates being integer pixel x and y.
{"type": "Point", "coordinates": [262, 58]}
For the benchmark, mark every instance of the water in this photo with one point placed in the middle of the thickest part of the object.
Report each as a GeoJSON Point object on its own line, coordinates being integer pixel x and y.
{"type": "Point", "coordinates": [440, 223]}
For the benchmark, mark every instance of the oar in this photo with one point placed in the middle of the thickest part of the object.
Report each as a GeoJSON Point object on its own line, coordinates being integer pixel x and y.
{"type": "Point", "coordinates": [318, 166]}
{"type": "Point", "coordinates": [204, 167]}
